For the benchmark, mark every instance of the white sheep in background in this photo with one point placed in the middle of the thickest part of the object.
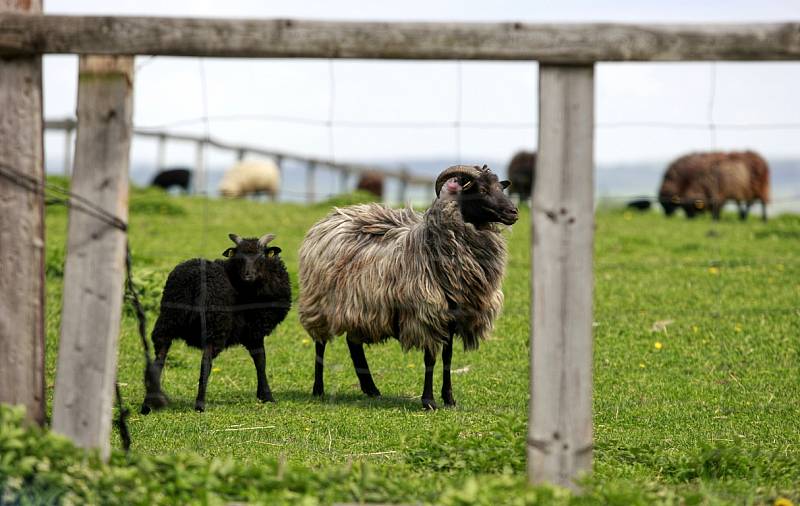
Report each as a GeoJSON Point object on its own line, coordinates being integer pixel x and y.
{"type": "Point", "coordinates": [251, 177]}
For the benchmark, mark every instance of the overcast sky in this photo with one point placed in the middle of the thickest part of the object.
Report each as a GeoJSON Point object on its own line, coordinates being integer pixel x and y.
{"type": "Point", "coordinates": [242, 95]}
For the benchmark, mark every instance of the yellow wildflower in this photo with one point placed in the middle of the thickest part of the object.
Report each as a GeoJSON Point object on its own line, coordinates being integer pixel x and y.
{"type": "Point", "coordinates": [628, 216]}
{"type": "Point", "coordinates": [215, 369]}
{"type": "Point", "coordinates": [782, 501]}
{"type": "Point", "coordinates": [737, 327]}
{"type": "Point", "coordinates": [713, 270]}
{"type": "Point", "coordinates": [641, 364]}
{"type": "Point", "coordinates": [411, 366]}
{"type": "Point", "coordinates": [658, 345]}
{"type": "Point", "coordinates": [695, 329]}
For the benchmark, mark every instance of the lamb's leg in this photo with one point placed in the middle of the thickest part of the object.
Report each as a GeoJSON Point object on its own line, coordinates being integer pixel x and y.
{"type": "Point", "coordinates": [319, 364]}
{"type": "Point", "coordinates": [427, 390]}
{"type": "Point", "coordinates": [362, 369]}
{"type": "Point", "coordinates": [744, 209]}
{"type": "Point", "coordinates": [447, 387]}
{"type": "Point", "coordinates": [263, 391]}
{"type": "Point", "coordinates": [154, 396]}
{"type": "Point", "coordinates": [205, 371]}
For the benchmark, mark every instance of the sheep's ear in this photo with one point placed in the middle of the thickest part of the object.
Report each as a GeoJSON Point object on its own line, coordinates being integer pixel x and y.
{"type": "Point", "coordinates": [235, 238]}
{"type": "Point", "coordinates": [273, 251]}
{"type": "Point", "coordinates": [229, 252]}
{"type": "Point", "coordinates": [265, 239]}
{"type": "Point", "coordinates": [505, 184]}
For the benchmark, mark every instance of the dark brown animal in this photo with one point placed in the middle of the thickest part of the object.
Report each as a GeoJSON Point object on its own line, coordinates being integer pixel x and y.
{"type": "Point", "coordinates": [522, 174]}
{"type": "Point", "coordinates": [706, 181]}
{"type": "Point", "coordinates": [372, 182]}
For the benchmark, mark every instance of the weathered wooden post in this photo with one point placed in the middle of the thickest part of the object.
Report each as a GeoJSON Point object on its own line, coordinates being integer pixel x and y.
{"type": "Point", "coordinates": [560, 418]}
{"type": "Point", "coordinates": [68, 145]}
{"type": "Point", "coordinates": [200, 183]}
{"type": "Point", "coordinates": [311, 169]}
{"type": "Point", "coordinates": [22, 229]}
{"type": "Point", "coordinates": [95, 266]}
{"type": "Point", "coordinates": [161, 161]}
{"type": "Point", "coordinates": [403, 190]}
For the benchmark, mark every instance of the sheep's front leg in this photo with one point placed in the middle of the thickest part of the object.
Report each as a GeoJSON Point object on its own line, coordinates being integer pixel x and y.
{"type": "Point", "coordinates": [447, 387]}
{"type": "Point", "coordinates": [263, 392]}
{"type": "Point", "coordinates": [205, 371]}
{"type": "Point", "coordinates": [362, 369]}
{"type": "Point", "coordinates": [427, 390]}
{"type": "Point", "coordinates": [319, 365]}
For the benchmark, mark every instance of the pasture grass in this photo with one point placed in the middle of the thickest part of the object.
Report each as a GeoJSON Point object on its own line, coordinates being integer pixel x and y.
{"type": "Point", "coordinates": [695, 365]}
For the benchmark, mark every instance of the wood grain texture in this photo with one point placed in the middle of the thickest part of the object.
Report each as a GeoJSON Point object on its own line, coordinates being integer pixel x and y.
{"type": "Point", "coordinates": [95, 266]}
{"type": "Point", "coordinates": [22, 231]}
{"type": "Point", "coordinates": [287, 38]}
{"type": "Point", "coordinates": [560, 419]}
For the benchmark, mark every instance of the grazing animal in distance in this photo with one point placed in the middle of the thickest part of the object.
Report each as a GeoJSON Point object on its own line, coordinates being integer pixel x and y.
{"type": "Point", "coordinates": [372, 182]}
{"type": "Point", "coordinates": [640, 204]}
{"type": "Point", "coordinates": [373, 272]}
{"type": "Point", "coordinates": [522, 174]}
{"type": "Point", "coordinates": [180, 177]}
{"type": "Point", "coordinates": [705, 181]}
{"type": "Point", "coordinates": [213, 305]}
{"type": "Point", "coordinates": [251, 177]}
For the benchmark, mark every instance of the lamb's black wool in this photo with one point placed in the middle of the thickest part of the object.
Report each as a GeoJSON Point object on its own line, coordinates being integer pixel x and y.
{"type": "Point", "coordinates": [213, 305]}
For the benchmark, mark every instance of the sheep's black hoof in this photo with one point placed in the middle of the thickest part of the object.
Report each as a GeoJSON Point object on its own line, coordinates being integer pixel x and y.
{"type": "Point", "coordinates": [371, 392]}
{"type": "Point", "coordinates": [448, 399]}
{"type": "Point", "coordinates": [145, 409]}
{"type": "Point", "coordinates": [318, 391]}
{"type": "Point", "coordinates": [267, 397]}
{"type": "Point", "coordinates": [199, 406]}
{"type": "Point", "coordinates": [154, 401]}
{"type": "Point", "coordinates": [429, 404]}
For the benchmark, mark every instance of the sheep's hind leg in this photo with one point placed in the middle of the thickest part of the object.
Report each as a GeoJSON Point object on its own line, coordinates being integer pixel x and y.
{"type": "Point", "coordinates": [205, 370]}
{"type": "Point", "coordinates": [263, 392]}
{"type": "Point", "coordinates": [362, 369]}
{"type": "Point", "coordinates": [427, 390]}
{"type": "Point", "coordinates": [155, 398]}
{"type": "Point", "coordinates": [447, 387]}
{"type": "Point", "coordinates": [319, 365]}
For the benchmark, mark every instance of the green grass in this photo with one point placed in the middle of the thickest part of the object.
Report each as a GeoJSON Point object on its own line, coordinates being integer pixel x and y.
{"type": "Point", "coordinates": [713, 415]}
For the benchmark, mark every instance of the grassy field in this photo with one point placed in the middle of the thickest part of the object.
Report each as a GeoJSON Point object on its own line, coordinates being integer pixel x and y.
{"type": "Point", "coordinates": [696, 394]}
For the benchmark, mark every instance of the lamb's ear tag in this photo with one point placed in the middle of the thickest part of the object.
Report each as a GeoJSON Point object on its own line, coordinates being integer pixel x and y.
{"type": "Point", "coordinates": [273, 251]}
{"type": "Point", "coordinates": [505, 184]}
{"type": "Point", "coordinates": [468, 185]}
{"type": "Point", "coordinates": [228, 252]}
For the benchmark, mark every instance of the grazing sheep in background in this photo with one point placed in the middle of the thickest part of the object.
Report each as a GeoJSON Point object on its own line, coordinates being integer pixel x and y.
{"type": "Point", "coordinates": [251, 177]}
{"type": "Point", "coordinates": [371, 181]}
{"type": "Point", "coordinates": [213, 305]}
{"type": "Point", "coordinates": [701, 181]}
{"type": "Point", "coordinates": [373, 272]}
{"type": "Point", "coordinates": [176, 176]}
{"type": "Point", "coordinates": [522, 174]}
{"type": "Point", "coordinates": [640, 204]}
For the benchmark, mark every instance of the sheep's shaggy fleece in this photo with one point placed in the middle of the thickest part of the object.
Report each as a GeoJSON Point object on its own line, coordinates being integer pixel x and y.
{"type": "Point", "coordinates": [378, 272]}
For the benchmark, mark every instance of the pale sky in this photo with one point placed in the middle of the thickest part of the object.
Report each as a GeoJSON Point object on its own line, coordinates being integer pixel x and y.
{"type": "Point", "coordinates": [169, 90]}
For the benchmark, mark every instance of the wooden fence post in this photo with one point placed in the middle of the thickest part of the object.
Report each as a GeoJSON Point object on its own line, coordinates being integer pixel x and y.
{"type": "Point", "coordinates": [161, 161]}
{"type": "Point", "coordinates": [95, 267]}
{"type": "Point", "coordinates": [22, 230]}
{"type": "Point", "coordinates": [68, 146]}
{"type": "Point", "coordinates": [560, 417]}
{"type": "Point", "coordinates": [311, 170]}
{"type": "Point", "coordinates": [200, 183]}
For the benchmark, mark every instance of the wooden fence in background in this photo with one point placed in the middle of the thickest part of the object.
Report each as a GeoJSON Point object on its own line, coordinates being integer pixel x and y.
{"type": "Point", "coordinates": [346, 170]}
{"type": "Point", "coordinates": [560, 430]}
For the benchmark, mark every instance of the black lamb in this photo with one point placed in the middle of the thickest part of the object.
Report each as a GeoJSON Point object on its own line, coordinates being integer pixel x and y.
{"type": "Point", "coordinates": [213, 305]}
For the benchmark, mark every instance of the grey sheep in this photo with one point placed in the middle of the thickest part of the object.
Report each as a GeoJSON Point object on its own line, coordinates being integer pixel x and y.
{"type": "Point", "coordinates": [373, 273]}
{"type": "Point", "coordinates": [213, 305]}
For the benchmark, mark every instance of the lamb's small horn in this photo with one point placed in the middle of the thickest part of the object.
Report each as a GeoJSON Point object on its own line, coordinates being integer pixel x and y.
{"type": "Point", "coordinates": [265, 239]}
{"type": "Point", "coordinates": [471, 171]}
{"type": "Point", "coordinates": [235, 238]}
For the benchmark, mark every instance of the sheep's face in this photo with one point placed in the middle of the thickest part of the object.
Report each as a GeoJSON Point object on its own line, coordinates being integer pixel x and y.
{"type": "Point", "coordinates": [249, 256]}
{"type": "Point", "coordinates": [480, 197]}
{"type": "Point", "coordinates": [668, 197]}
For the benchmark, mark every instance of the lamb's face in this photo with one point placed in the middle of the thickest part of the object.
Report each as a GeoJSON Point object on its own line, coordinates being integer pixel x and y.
{"type": "Point", "coordinates": [250, 255]}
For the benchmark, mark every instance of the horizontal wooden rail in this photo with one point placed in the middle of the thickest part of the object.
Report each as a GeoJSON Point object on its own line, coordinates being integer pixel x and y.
{"type": "Point", "coordinates": [350, 168]}
{"type": "Point", "coordinates": [287, 38]}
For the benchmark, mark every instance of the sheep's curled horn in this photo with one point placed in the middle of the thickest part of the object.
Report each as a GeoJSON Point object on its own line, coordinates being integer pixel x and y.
{"type": "Point", "coordinates": [471, 171]}
{"type": "Point", "coordinates": [262, 243]}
